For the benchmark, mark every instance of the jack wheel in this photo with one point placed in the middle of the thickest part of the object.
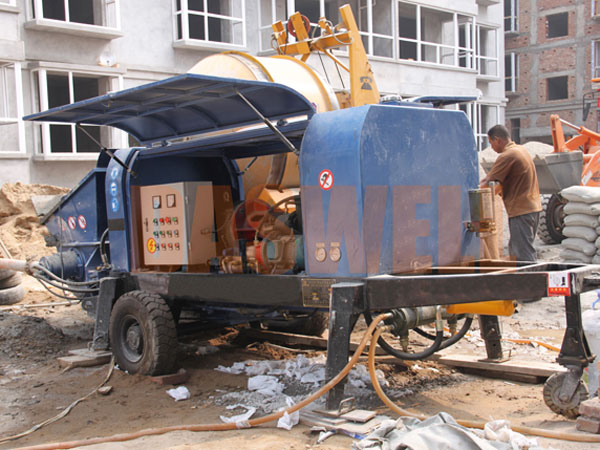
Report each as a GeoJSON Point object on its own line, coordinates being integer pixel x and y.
{"type": "Point", "coordinates": [569, 409]}
{"type": "Point", "coordinates": [143, 335]}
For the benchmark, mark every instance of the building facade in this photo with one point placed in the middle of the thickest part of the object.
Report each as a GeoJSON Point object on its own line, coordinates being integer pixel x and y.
{"type": "Point", "coordinates": [53, 52]}
{"type": "Point", "coordinates": [552, 53]}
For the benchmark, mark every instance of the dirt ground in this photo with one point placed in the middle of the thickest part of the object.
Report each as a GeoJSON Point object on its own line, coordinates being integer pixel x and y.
{"type": "Point", "coordinates": [34, 388]}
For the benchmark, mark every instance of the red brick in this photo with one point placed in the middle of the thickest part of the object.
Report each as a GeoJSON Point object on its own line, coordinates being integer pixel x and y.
{"type": "Point", "coordinates": [590, 408]}
{"type": "Point", "coordinates": [175, 378]}
{"type": "Point", "coordinates": [589, 424]}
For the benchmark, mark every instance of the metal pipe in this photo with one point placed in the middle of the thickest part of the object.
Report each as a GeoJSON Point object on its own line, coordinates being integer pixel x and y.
{"type": "Point", "coordinates": [18, 265]}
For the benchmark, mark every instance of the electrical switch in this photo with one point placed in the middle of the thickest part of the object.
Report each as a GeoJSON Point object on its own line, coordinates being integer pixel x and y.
{"type": "Point", "coordinates": [155, 221]}
{"type": "Point", "coordinates": [155, 233]}
{"type": "Point", "coordinates": [175, 220]}
{"type": "Point", "coordinates": [163, 246]}
{"type": "Point", "coordinates": [170, 246]}
{"type": "Point", "coordinates": [169, 233]}
{"type": "Point", "coordinates": [176, 233]}
{"type": "Point", "coordinates": [168, 221]}
{"type": "Point", "coordinates": [162, 234]}
{"type": "Point", "coordinates": [176, 245]}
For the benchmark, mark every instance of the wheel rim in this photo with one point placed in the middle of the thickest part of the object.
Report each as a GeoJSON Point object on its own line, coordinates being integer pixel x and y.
{"type": "Point", "coordinates": [558, 217]}
{"type": "Point", "coordinates": [132, 338]}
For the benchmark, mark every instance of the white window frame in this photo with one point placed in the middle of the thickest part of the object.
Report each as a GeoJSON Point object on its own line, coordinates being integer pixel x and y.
{"type": "Point", "coordinates": [8, 2]}
{"type": "Point", "coordinates": [473, 112]}
{"type": "Point", "coordinates": [513, 17]}
{"type": "Point", "coordinates": [116, 136]}
{"type": "Point", "coordinates": [596, 58]}
{"type": "Point", "coordinates": [289, 4]}
{"type": "Point", "coordinates": [483, 60]}
{"type": "Point", "coordinates": [457, 51]}
{"type": "Point", "coordinates": [109, 29]}
{"type": "Point", "coordinates": [513, 78]}
{"type": "Point", "coordinates": [17, 87]}
{"type": "Point", "coordinates": [186, 42]}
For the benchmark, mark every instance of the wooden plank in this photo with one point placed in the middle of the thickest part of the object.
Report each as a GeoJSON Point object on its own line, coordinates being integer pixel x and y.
{"type": "Point", "coordinates": [298, 339]}
{"type": "Point", "coordinates": [515, 369]}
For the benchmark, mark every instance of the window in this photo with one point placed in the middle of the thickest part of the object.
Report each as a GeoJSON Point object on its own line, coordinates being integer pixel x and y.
{"type": "Point", "coordinates": [595, 59]}
{"type": "Point", "coordinates": [595, 8]}
{"type": "Point", "coordinates": [487, 51]}
{"type": "Point", "coordinates": [515, 130]}
{"type": "Point", "coordinates": [511, 72]}
{"type": "Point", "coordinates": [511, 23]}
{"type": "Point", "coordinates": [214, 21]}
{"type": "Point", "coordinates": [482, 116]}
{"type": "Point", "coordinates": [8, 2]}
{"type": "Point", "coordinates": [434, 36]}
{"type": "Point", "coordinates": [58, 88]}
{"type": "Point", "coordinates": [558, 88]}
{"type": "Point", "coordinates": [557, 25]}
{"type": "Point", "coordinates": [270, 12]}
{"type": "Point", "coordinates": [102, 13]}
{"type": "Point", "coordinates": [12, 129]}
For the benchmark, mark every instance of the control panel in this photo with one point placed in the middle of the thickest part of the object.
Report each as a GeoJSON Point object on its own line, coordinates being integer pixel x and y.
{"type": "Point", "coordinates": [177, 223]}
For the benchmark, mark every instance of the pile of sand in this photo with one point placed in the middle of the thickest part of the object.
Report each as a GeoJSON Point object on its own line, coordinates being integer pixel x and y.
{"type": "Point", "coordinates": [20, 228]}
{"type": "Point", "coordinates": [536, 149]}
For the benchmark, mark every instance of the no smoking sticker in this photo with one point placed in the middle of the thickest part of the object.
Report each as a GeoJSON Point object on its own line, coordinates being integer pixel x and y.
{"type": "Point", "coordinates": [71, 222]}
{"type": "Point", "coordinates": [82, 222]}
{"type": "Point", "coordinates": [559, 283]}
{"type": "Point", "coordinates": [151, 245]}
{"type": "Point", "coordinates": [326, 179]}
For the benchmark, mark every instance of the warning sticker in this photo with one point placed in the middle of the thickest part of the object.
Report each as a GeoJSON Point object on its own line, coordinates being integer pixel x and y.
{"type": "Point", "coordinates": [71, 222]}
{"type": "Point", "coordinates": [82, 222]}
{"type": "Point", "coordinates": [151, 245]}
{"type": "Point", "coordinates": [559, 283]}
{"type": "Point", "coordinates": [326, 179]}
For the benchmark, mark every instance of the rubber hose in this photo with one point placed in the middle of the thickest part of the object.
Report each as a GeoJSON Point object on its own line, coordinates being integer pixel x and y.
{"type": "Point", "coordinates": [458, 336]}
{"type": "Point", "coordinates": [225, 426]}
{"type": "Point", "coordinates": [465, 423]}
{"type": "Point", "coordinates": [425, 334]}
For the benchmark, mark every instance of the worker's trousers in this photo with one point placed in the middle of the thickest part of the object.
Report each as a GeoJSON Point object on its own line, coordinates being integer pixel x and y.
{"type": "Point", "coordinates": [522, 233]}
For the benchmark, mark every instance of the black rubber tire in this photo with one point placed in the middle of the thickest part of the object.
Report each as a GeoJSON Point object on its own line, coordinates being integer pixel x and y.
{"type": "Point", "coordinates": [11, 281]}
{"type": "Point", "coordinates": [552, 388]}
{"type": "Point", "coordinates": [552, 219]}
{"type": "Point", "coordinates": [12, 295]}
{"type": "Point", "coordinates": [143, 335]}
{"type": "Point", "coordinates": [314, 325]}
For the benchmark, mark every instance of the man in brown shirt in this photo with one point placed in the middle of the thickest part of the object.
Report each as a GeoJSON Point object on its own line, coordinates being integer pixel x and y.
{"type": "Point", "coordinates": [515, 171]}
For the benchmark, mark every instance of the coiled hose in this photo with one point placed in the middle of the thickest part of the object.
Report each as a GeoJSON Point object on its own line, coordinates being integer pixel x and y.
{"type": "Point", "coordinates": [437, 345]}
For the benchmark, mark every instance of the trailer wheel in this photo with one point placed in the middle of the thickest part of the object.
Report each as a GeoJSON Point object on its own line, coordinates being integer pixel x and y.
{"type": "Point", "coordinates": [11, 281]}
{"type": "Point", "coordinates": [12, 295]}
{"type": "Point", "coordinates": [142, 334]}
{"type": "Point", "coordinates": [569, 409]}
{"type": "Point", "coordinates": [552, 219]}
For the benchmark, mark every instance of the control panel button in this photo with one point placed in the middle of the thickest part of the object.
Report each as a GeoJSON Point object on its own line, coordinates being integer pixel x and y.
{"type": "Point", "coordinates": [162, 221]}
{"type": "Point", "coordinates": [162, 233]}
{"type": "Point", "coordinates": [170, 246]}
{"type": "Point", "coordinates": [176, 245]}
{"type": "Point", "coordinates": [175, 220]}
{"type": "Point", "coordinates": [163, 246]}
{"type": "Point", "coordinates": [169, 233]}
{"type": "Point", "coordinates": [168, 221]}
{"type": "Point", "coordinates": [176, 233]}
{"type": "Point", "coordinates": [155, 221]}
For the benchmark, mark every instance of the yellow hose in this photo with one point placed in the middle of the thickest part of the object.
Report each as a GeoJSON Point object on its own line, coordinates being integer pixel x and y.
{"type": "Point", "coordinates": [466, 423]}
{"type": "Point", "coordinates": [225, 426]}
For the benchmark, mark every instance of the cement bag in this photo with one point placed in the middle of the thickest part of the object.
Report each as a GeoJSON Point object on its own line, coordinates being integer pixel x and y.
{"type": "Point", "coordinates": [580, 245]}
{"type": "Point", "coordinates": [571, 255]}
{"type": "Point", "coordinates": [589, 234]}
{"type": "Point", "coordinates": [596, 259]}
{"type": "Point", "coordinates": [598, 231]}
{"type": "Point", "coordinates": [592, 209]}
{"type": "Point", "coordinates": [586, 194]}
{"type": "Point", "coordinates": [583, 220]}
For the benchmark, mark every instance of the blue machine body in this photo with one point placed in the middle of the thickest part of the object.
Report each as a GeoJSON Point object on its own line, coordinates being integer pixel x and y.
{"type": "Point", "coordinates": [385, 190]}
{"type": "Point", "coordinates": [393, 198]}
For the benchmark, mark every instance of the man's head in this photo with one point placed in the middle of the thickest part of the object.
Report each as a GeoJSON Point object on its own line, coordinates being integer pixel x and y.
{"type": "Point", "coordinates": [498, 136]}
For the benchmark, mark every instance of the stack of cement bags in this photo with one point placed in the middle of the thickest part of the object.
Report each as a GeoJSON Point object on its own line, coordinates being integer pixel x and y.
{"type": "Point", "coordinates": [582, 227]}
